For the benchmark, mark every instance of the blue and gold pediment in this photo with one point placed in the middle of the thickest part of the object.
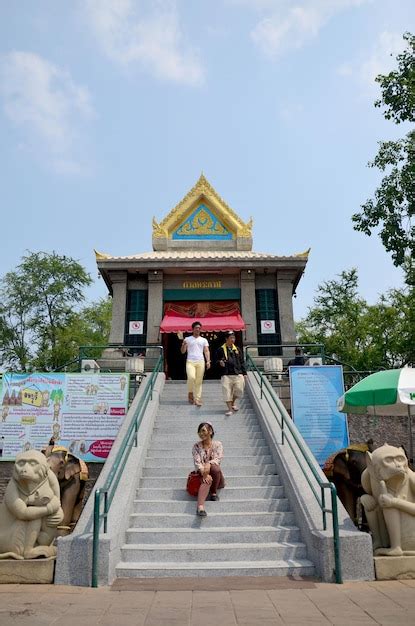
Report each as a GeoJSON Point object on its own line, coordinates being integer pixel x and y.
{"type": "Point", "coordinates": [202, 224]}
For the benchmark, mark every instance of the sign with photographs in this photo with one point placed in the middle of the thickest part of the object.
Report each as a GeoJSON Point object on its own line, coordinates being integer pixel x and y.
{"type": "Point", "coordinates": [83, 412]}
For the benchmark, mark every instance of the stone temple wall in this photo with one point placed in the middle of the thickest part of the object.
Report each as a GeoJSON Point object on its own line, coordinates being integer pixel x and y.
{"type": "Point", "coordinates": [382, 429]}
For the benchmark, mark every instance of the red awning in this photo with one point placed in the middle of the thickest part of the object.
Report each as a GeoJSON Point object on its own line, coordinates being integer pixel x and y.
{"type": "Point", "coordinates": [173, 323]}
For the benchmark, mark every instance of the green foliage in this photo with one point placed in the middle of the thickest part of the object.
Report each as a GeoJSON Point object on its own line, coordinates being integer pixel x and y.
{"type": "Point", "coordinates": [365, 337]}
{"type": "Point", "coordinates": [398, 87]}
{"type": "Point", "coordinates": [393, 206]}
{"type": "Point", "coordinates": [392, 209]}
{"type": "Point", "coordinates": [16, 319]}
{"type": "Point", "coordinates": [41, 325]}
{"type": "Point", "coordinates": [89, 327]}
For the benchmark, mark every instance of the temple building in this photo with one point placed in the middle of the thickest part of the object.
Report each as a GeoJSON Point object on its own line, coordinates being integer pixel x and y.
{"type": "Point", "coordinates": [202, 267]}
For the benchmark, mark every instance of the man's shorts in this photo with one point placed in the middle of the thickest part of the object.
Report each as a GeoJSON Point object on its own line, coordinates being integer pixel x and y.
{"type": "Point", "coordinates": [233, 386]}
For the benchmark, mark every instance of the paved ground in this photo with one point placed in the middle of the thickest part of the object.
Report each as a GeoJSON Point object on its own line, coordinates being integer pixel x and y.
{"type": "Point", "coordinates": [222, 603]}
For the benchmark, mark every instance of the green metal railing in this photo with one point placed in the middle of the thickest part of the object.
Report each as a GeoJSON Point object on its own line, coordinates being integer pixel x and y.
{"type": "Point", "coordinates": [285, 351]}
{"type": "Point", "coordinates": [148, 351]}
{"type": "Point", "coordinates": [303, 458]}
{"type": "Point", "coordinates": [107, 491]}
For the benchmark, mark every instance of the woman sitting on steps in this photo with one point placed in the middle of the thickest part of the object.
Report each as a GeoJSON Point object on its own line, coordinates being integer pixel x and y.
{"type": "Point", "coordinates": [207, 455]}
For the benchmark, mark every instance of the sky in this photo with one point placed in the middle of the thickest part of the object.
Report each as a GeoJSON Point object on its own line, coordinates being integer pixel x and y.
{"type": "Point", "coordinates": [111, 109]}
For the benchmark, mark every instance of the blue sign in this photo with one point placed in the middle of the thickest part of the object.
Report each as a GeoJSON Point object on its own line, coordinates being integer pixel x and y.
{"type": "Point", "coordinates": [314, 394]}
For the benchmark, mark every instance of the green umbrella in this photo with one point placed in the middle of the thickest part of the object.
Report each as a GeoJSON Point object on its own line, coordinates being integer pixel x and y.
{"type": "Point", "coordinates": [389, 392]}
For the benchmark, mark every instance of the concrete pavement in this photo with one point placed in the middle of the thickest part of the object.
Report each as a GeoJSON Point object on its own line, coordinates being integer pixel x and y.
{"type": "Point", "coordinates": [262, 601]}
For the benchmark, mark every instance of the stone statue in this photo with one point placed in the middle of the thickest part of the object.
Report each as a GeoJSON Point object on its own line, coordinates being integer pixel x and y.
{"type": "Point", "coordinates": [389, 501]}
{"type": "Point", "coordinates": [31, 509]}
{"type": "Point", "coordinates": [72, 474]}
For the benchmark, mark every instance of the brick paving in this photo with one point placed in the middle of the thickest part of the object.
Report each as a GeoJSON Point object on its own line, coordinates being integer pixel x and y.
{"type": "Point", "coordinates": [203, 602]}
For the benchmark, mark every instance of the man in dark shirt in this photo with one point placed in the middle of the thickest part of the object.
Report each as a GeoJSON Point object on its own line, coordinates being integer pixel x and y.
{"type": "Point", "coordinates": [231, 360]}
{"type": "Point", "coordinates": [298, 359]}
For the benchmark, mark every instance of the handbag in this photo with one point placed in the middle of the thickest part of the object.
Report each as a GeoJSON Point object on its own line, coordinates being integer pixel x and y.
{"type": "Point", "coordinates": [194, 480]}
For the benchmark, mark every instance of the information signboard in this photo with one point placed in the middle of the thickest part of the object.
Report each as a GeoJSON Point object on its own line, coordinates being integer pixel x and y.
{"type": "Point", "coordinates": [83, 412]}
{"type": "Point", "coordinates": [314, 394]}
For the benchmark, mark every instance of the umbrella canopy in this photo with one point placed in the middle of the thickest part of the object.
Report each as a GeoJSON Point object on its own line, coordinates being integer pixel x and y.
{"type": "Point", "coordinates": [389, 392]}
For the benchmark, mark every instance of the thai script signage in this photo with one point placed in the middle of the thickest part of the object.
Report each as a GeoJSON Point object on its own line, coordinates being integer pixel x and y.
{"type": "Point", "coordinates": [83, 412]}
{"type": "Point", "coordinates": [202, 284]}
{"type": "Point", "coordinates": [314, 393]}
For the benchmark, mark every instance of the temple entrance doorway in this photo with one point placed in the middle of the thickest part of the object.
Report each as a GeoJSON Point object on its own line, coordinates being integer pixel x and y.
{"type": "Point", "coordinates": [215, 316]}
{"type": "Point", "coordinates": [175, 361]}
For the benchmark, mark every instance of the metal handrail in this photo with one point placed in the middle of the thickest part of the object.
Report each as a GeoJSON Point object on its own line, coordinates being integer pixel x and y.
{"type": "Point", "coordinates": [109, 488]}
{"type": "Point", "coordinates": [309, 349]}
{"type": "Point", "coordinates": [285, 423]}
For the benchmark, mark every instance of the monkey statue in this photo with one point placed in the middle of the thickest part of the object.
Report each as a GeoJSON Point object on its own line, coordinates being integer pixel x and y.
{"type": "Point", "coordinates": [389, 501]}
{"type": "Point", "coordinates": [31, 509]}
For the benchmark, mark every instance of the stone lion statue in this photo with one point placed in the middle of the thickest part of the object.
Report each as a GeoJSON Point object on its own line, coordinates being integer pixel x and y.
{"type": "Point", "coordinates": [389, 501]}
{"type": "Point", "coordinates": [31, 509]}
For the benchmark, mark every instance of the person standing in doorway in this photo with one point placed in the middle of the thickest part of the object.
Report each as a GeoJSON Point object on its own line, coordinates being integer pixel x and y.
{"type": "Point", "coordinates": [197, 349]}
{"type": "Point", "coordinates": [231, 360]}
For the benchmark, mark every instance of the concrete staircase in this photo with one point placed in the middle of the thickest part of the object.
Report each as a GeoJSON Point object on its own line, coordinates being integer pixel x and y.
{"type": "Point", "coordinates": [250, 531]}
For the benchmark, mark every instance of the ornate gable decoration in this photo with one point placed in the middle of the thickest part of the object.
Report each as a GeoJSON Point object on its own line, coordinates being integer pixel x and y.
{"type": "Point", "coordinates": [202, 224]}
{"type": "Point", "coordinates": [201, 215]}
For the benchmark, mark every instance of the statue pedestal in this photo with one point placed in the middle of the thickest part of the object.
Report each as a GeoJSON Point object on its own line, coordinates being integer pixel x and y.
{"type": "Point", "coordinates": [394, 567]}
{"type": "Point", "coordinates": [31, 571]}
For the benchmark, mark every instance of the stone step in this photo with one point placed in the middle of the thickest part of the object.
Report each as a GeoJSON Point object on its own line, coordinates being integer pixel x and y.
{"type": "Point", "coordinates": [169, 452]}
{"type": "Point", "coordinates": [166, 444]}
{"type": "Point", "coordinates": [187, 439]}
{"type": "Point", "coordinates": [227, 462]}
{"type": "Point", "coordinates": [184, 421]}
{"type": "Point", "coordinates": [216, 405]}
{"type": "Point", "coordinates": [249, 531]}
{"type": "Point", "coordinates": [227, 429]}
{"type": "Point", "coordinates": [194, 553]}
{"type": "Point", "coordinates": [216, 408]}
{"type": "Point", "coordinates": [297, 567]}
{"type": "Point", "coordinates": [223, 520]}
{"type": "Point", "coordinates": [223, 506]}
{"type": "Point", "coordinates": [234, 469]}
{"type": "Point", "coordinates": [229, 493]}
{"type": "Point", "coordinates": [231, 481]}
{"type": "Point", "coordinates": [210, 413]}
{"type": "Point", "coordinates": [193, 536]}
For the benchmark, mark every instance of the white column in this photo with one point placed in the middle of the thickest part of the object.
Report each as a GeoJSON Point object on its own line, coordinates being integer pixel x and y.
{"type": "Point", "coordinates": [119, 304]}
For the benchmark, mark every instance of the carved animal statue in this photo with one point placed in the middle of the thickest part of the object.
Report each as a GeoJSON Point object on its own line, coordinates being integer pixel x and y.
{"type": "Point", "coordinates": [344, 468]}
{"type": "Point", "coordinates": [389, 501]}
{"type": "Point", "coordinates": [72, 474]}
{"type": "Point", "coordinates": [31, 510]}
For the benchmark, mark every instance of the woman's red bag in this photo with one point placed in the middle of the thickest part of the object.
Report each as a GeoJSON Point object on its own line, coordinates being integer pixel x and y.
{"type": "Point", "coordinates": [194, 480]}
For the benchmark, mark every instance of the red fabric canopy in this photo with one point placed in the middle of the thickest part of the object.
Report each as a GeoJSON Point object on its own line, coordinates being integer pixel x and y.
{"type": "Point", "coordinates": [173, 323]}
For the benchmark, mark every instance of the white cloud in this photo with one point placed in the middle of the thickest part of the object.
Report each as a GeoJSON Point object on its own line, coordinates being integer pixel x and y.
{"type": "Point", "coordinates": [382, 57]}
{"type": "Point", "coordinates": [130, 34]}
{"type": "Point", "coordinates": [380, 60]}
{"type": "Point", "coordinates": [287, 25]}
{"type": "Point", "coordinates": [44, 101]}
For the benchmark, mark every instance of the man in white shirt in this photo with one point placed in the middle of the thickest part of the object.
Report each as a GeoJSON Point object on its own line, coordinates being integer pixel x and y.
{"type": "Point", "coordinates": [197, 349]}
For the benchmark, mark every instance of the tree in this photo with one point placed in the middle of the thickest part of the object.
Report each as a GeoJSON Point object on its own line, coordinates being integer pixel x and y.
{"type": "Point", "coordinates": [16, 318]}
{"type": "Point", "coordinates": [398, 87]}
{"type": "Point", "coordinates": [393, 207]}
{"type": "Point", "coordinates": [366, 337]}
{"type": "Point", "coordinates": [89, 327]}
{"type": "Point", "coordinates": [38, 300]}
